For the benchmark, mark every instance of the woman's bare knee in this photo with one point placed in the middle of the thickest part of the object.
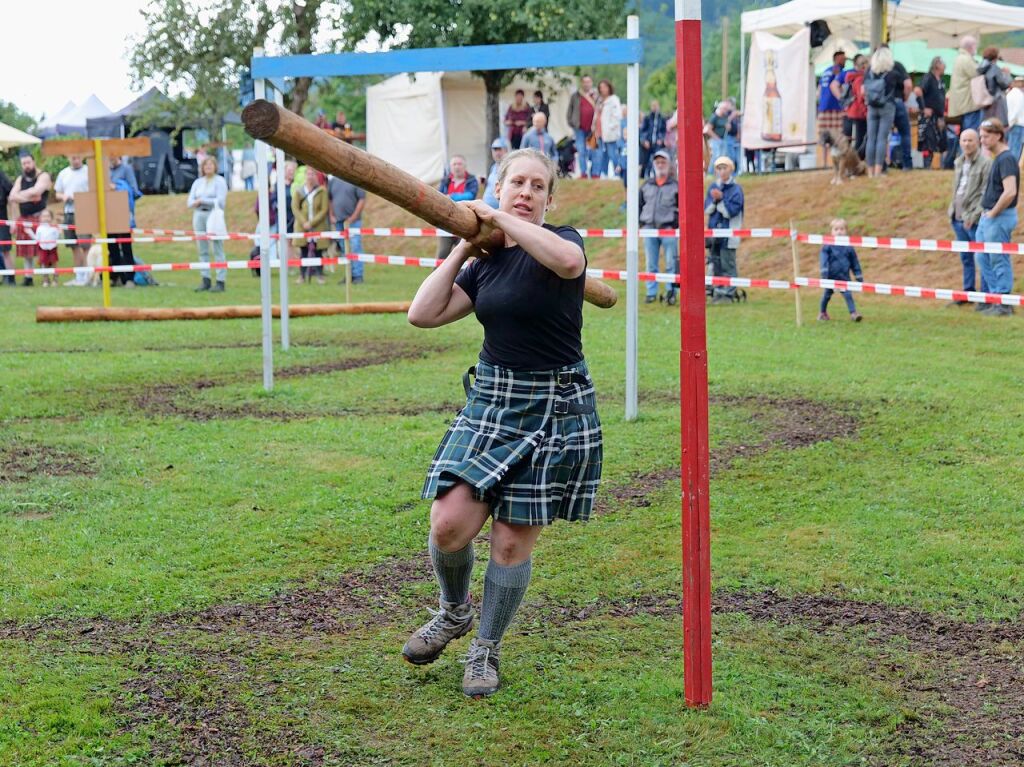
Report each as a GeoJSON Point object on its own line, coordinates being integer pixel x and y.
{"type": "Point", "coordinates": [456, 518]}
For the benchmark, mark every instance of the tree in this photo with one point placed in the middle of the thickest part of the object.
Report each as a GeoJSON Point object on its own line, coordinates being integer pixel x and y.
{"type": "Point", "coordinates": [446, 23]}
{"type": "Point", "coordinates": [199, 48]}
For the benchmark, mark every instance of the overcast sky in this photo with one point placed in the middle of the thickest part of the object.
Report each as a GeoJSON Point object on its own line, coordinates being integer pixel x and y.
{"type": "Point", "coordinates": [65, 50]}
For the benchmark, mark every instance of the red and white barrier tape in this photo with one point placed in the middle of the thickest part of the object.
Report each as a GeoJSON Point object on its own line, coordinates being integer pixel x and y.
{"type": "Point", "coordinates": [902, 243]}
{"type": "Point", "coordinates": [908, 291]}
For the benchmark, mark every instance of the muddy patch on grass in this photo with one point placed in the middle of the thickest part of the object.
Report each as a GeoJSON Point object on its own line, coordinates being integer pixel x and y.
{"type": "Point", "coordinates": [787, 424]}
{"type": "Point", "coordinates": [22, 460]}
{"type": "Point", "coordinates": [179, 400]}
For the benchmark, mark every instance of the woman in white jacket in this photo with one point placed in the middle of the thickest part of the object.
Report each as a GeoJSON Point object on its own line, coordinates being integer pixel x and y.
{"type": "Point", "coordinates": [608, 127]}
{"type": "Point", "coordinates": [209, 191]}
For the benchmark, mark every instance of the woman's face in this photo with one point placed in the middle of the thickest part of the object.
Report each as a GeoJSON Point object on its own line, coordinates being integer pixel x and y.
{"type": "Point", "coordinates": [604, 90]}
{"type": "Point", "coordinates": [209, 167]}
{"type": "Point", "coordinates": [523, 191]}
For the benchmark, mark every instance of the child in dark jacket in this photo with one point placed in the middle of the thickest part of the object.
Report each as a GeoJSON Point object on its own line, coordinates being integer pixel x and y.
{"type": "Point", "coordinates": [837, 263]}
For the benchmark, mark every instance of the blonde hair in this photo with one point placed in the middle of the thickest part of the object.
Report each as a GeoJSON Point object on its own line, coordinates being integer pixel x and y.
{"type": "Point", "coordinates": [838, 222]}
{"type": "Point", "coordinates": [882, 60]}
{"type": "Point", "coordinates": [209, 158]}
{"type": "Point", "coordinates": [529, 154]}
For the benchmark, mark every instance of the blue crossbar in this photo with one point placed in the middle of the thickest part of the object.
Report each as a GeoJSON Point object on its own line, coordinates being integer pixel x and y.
{"type": "Point", "coordinates": [471, 57]}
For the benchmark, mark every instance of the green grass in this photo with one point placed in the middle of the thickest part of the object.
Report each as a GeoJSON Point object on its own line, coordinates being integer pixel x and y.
{"type": "Point", "coordinates": [921, 509]}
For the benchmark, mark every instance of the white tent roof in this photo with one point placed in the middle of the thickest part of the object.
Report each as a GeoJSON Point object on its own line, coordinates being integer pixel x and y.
{"type": "Point", "coordinates": [11, 137]}
{"type": "Point", "coordinates": [74, 116]}
{"type": "Point", "coordinates": [418, 123]}
{"type": "Point", "coordinates": [940, 22]}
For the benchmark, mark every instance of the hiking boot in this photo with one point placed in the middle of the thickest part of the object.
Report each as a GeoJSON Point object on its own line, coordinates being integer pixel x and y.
{"type": "Point", "coordinates": [429, 640]}
{"type": "Point", "coordinates": [956, 304]}
{"type": "Point", "coordinates": [481, 676]}
{"type": "Point", "coordinates": [983, 308]}
{"type": "Point", "coordinates": [1000, 310]}
{"type": "Point", "coordinates": [650, 299]}
{"type": "Point", "coordinates": [218, 287]}
{"type": "Point", "coordinates": [670, 299]}
{"type": "Point", "coordinates": [205, 285]}
{"type": "Point", "coordinates": [856, 317]}
{"type": "Point", "coordinates": [823, 317]}
{"type": "Point", "coordinates": [27, 282]}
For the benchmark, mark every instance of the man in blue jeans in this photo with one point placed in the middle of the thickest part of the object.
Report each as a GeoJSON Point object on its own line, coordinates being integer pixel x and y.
{"type": "Point", "coordinates": [659, 209]}
{"type": "Point", "coordinates": [969, 177]}
{"type": "Point", "coordinates": [999, 218]}
{"type": "Point", "coordinates": [347, 201]}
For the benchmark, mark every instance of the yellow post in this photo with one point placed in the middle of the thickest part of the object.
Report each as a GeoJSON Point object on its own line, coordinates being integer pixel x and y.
{"type": "Point", "coordinates": [101, 208]}
{"type": "Point", "coordinates": [796, 273]}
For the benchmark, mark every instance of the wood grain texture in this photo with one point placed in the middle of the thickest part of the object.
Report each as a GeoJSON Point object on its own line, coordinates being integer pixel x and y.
{"type": "Point", "coordinates": [128, 314]}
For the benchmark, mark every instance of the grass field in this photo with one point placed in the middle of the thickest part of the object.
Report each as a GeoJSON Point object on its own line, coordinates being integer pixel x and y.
{"type": "Point", "coordinates": [197, 572]}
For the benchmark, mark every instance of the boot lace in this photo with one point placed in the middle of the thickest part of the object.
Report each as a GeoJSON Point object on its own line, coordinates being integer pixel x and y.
{"type": "Point", "coordinates": [475, 661]}
{"type": "Point", "coordinates": [442, 620]}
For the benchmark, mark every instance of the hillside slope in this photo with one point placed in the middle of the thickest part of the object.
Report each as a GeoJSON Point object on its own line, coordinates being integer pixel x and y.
{"type": "Point", "coordinates": [899, 205]}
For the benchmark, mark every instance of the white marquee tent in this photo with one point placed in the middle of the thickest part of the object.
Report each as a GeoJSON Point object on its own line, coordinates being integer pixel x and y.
{"type": "Point", "coordinates": [71, 118]}
{"type": "Point", "coordinates": [939, 22]}
{"type": "Point", "coordinates": [418, 121]}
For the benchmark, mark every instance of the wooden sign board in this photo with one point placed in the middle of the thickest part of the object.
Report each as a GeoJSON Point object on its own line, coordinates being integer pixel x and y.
{"type": "Point", "coordinates": [124, 147]}
{"type": "Point", "coordinates": [87, 215]}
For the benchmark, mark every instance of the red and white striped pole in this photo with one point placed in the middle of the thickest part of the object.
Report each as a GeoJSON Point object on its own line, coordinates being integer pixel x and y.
{"type": "Point", "coordinates": [693, 360]}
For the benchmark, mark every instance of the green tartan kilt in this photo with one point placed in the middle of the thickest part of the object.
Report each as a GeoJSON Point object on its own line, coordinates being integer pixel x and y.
{"type": "Point", "coordinates": [519, 450]}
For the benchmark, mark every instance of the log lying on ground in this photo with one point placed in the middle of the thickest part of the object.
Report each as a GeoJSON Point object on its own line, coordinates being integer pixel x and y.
{"type": "Point", "coordinates": [128, 314]}
{"type": "Point", "coordinates": [286, 130]}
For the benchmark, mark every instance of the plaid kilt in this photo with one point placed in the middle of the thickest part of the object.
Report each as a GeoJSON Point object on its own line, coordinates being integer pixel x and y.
{"type": "Point", "coordinates": [533, 465]}
{"type": "Point", "coordinates": [831, 121]}
{"type": "Point", "coordinates": [31, 250]}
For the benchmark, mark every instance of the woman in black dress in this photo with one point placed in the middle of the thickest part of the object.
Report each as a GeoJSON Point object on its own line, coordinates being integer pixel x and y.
{"type": "Point", "coordinates": [526, 448]}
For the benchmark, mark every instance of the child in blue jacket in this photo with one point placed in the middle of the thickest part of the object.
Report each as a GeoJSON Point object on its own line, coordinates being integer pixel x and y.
{"type": "Point", "coordinates": [837, 263]}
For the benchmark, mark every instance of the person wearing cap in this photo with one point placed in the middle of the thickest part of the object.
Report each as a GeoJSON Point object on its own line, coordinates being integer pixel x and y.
{"type": "Point", "coordinates": [830, 100]}
{"type": "Point", "coordinates": [1015, 116]}
{"type": "Point", "coordinates": [724, 206]}
{"type": "Point", "coordinates": [499, 148]}
{"type": "Point", "coordinates": [999, 213]}
{"type": "Point", "coordinates": [659, 209]}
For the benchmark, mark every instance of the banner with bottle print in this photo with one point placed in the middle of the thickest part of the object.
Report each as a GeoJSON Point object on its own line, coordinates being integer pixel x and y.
{"type": "Point", "coordinates": [777, 108]}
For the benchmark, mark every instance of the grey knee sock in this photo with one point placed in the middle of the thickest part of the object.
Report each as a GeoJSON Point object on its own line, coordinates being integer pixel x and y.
{"type": "Point", "coordinates": [504, 588]}
{"type": "Point", "coordinates": [453, 569]}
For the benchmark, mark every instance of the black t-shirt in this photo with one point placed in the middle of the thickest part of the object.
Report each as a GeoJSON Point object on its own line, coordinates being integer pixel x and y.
{"type": "Point", "coordinates": [532, 318]}
{"type": "Point", "coordinates": [900, 70]}
{"type": "Point", "coordinates": [1004, 166]}
{"type": "Point", "coordinates": [933, 92]}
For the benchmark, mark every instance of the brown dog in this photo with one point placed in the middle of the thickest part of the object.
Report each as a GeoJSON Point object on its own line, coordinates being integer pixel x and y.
{"type": "Point", "coordinates": [845, 161]}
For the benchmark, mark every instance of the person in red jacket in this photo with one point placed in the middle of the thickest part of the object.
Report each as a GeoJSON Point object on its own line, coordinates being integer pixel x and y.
{"type": "Point", "coordinates": [855, 124]}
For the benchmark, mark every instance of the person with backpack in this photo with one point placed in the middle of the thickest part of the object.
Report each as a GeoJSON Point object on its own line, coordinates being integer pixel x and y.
{"type": "Point", "coordinates": [855, 125]}
{"type": "Point", "coordinates": [880, 86]}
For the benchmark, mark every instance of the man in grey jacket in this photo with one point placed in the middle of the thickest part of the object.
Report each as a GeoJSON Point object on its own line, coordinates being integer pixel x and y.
{"type": "Point", "coordinates": [659, 209]}
{"type": "Point", "coordinates": [969, 176]}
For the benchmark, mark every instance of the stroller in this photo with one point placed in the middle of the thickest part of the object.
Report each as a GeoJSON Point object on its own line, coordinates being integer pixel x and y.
{"type": "Point", "coordinates": [566, 156]}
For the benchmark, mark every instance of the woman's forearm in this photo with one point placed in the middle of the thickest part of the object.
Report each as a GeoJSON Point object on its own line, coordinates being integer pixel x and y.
{"type": "Point", "coordinates": [562, 257]}
{"type": "Point", "coordinates": [434, 295]}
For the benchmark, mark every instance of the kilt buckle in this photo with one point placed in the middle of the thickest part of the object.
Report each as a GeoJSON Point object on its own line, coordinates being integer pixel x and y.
{"type": "Point", "coordinates": [561, 407]}
{"type": "Point", "coordinates": [564, 377]}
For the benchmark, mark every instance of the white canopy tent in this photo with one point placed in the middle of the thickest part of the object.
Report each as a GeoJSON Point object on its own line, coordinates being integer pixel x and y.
{"type": "Point", "coordinates": [418, 122]}
{"type": "Point", "coordinates": [11, 137]}
{"type": "Point", "coordinates": [939, 22]}
{"type": "Point", "coordinates": [72, 118]}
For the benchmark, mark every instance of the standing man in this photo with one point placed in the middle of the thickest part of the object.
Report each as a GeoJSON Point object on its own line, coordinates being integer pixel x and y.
{"type": "Point", "coordinates": [652, 136]}
{"type": "Point", "coordinates": [1015, 112]}
{"type": "Point", "coordinates": [538, 138]}
{"type": "Point", "coordinates": [580, 117]}
{"type": "Point", "coordinates": [499, 148]}
{"type": "Point", "coordinates": [724, 206]}
{"type": "Point", "coordinates": [999, 218]}
{"type": "Point", "coordinates": [6, 260]}
{"type": "Point", "coordinates": [71, 180]}
{"type": "Point", "coordinates": [347, 202]}
{"type": "Point", "coordinates": [901, 120]}
{"type": "Point", "coordinates": [961, 104]}
{"type": "Point", "coordinates": [32, 192]}
{"type": "Point", "coordinates": [659, 209]}
{"type": "Point", "coordinates": [122, 178]}
{"type": "Point", "coordinates": [970, 172]}
{"type": "Point", "coordinates": [855, 124]}
{"type": "Point", "coordinates": [717, 127]}
{"type": "Point", "coordinates": [458, 185]}
{"type": "Point", "coordinates": [830, 103]}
